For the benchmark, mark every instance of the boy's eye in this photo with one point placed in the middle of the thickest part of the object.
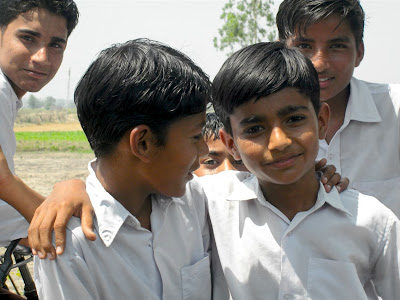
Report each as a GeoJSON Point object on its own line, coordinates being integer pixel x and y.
{"type": "Point", "coordinates": [303, 46]}
{"type": "Point", "coordinates": [339, 46]}
{"type": "Point", "coordinates": [295, 119]}
{"type": "Point", "coordinates": [253, 129]}
{"type": "Point", "coordinates": [197, 137]}
{"type": "Point", "coordinates": [56, 45]}
{"type": "Point", "coordinates": [210, 161]}
{"type": "Point", "coordinates": [27, 38]}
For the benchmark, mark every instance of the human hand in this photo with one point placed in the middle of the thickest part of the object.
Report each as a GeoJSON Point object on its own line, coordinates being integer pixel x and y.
{"type": "Point", "coordinates": [330, 178]}
{"type": "Point", "coordinates": [68, 198]}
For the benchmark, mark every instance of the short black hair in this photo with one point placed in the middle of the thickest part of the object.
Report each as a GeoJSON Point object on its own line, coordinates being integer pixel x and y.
{"type": "Point", "coordinates": [138, 82]}
{"type": "Point", "coordinates": [212, 127]}
{"type": "Point", "coordinates": [260, 70]}
{"type": "Point", "coordinates": [300, 14]}
{"type": "Point", "coordinates": [11, 9]}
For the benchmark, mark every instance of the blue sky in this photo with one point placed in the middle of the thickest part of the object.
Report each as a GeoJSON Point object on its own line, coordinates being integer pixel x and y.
{"type": "Point", "coordinates": [190, 25]}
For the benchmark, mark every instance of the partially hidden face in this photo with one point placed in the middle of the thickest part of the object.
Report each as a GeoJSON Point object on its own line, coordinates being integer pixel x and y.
{"type": "Point", "coordinates": [218, 159]}
{"type": "Point", "coordinates": [277, 136]}
{"type": "Point", "coordinates": [330, 44]}
{"type": "Point", "coordinates": [176, 161]}
{"type": "Point", "coordinates": [31, 49]}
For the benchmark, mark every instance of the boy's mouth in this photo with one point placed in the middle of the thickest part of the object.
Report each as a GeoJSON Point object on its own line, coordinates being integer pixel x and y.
{"type": "Point", "coordinates": [284, 161]}
{"type": "Point", "coordinates": [325, 81]}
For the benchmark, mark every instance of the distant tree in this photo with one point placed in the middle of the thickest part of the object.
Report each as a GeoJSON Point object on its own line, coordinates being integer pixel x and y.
{"type": "Point", "coordinates": [246, 22]}
{"type": "Point", "coordinates": [49, 103]}
{"type": "Point", "coordinates": [34, 102]}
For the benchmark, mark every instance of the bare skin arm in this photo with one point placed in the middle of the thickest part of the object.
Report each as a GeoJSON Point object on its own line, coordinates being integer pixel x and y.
{"type": "Point", "coordinates": [16, 193]}
{"type": "Point", "coordinates": [33, 207]}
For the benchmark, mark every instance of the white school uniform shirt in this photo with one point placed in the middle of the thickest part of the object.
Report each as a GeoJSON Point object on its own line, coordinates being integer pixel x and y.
{"type": "Point", "coordinates": [366, 148]}
{"type": "Point", "coordinates": [127, 261]}
{"type": "Point", "coordinates": [345, 247]}
{"type": "Point", "coordinates": [12, 224]}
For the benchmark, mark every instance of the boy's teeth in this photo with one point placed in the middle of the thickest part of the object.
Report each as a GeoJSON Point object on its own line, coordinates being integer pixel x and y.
{"type": "Point", "coordinates": [324, 79]}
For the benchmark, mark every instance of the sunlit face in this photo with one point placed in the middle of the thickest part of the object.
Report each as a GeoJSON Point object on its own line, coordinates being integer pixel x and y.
{"type": "Point", "coordinates": [175, 162]}
{"type": "Point", "coordinates": [31, 49]}
{"type": "Point", "coordinates": [277, 136]}
{"type": "Point", "coordinates": [331, 46]}
{"type": "Point", "coordinates": [218, 159]}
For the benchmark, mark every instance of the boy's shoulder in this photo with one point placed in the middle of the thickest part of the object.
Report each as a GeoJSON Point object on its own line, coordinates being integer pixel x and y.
{"type": "Point", "coordinates": [366, 211]}
{"type": "Point", "coordinates": [382, 93]}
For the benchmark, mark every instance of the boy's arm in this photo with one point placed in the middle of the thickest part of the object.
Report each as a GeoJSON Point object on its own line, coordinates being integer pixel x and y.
{"type": "Point", "coordinates": [16, 193]}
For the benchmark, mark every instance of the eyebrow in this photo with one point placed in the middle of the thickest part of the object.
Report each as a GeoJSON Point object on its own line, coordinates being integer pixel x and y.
{"type": "Point", "coordinates": [251, 120]}
{"type": "Point", "coordinates": [342, 39]}
{"type": "Point", "coordinates": [54, 39]}
{"type": "Point", "coordinates": [291, 109]}
{"type": "Point", "coordinates": [214, 153]}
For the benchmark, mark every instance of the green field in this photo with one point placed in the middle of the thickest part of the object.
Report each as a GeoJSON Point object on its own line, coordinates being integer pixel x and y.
{"type": "Point", "coordinates": [63, 141]}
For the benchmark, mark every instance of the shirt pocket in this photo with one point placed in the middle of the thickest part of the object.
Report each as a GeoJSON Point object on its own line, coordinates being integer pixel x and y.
{"type": "Point", "coordinates": [329, 279]}
{"type": "Point", "coordinates": [196, 280]}
{"type": "Point", "coordinates": [386, 191]}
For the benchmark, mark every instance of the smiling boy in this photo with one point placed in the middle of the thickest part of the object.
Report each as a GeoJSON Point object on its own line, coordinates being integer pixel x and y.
{"type": "Point", "coordinates": [33, 38]}
{"type": "Point", "coordinates": [142, 107]}
{"type": "Point", "coordinates": [278, 233]}
{"type": "Point", "coordinates": [363, 132]}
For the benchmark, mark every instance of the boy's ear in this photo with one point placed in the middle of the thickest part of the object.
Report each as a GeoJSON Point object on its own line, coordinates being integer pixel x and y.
{"type": "Point", "coordinates": [141, 142]}
{"type": "Point", "coordinates": [360, 53]}
{"type": "Point", "coordinates": [323, 120]}
{"type": "Point", "coordinates": [227, 139]}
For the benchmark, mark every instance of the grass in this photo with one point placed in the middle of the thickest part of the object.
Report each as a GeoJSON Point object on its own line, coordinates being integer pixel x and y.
{"type": "Point", "coordinates": [62, 141]}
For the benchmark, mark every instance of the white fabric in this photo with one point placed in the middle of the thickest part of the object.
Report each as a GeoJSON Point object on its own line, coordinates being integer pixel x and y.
{"type": "Point", "coordinates": [367, 146]}
{"type": "Point", "coordinates": [12, 224]}
{"type": "Point", "coordinates": [129, 262]}
{"type": "Point", "coordinates": [344, 247]}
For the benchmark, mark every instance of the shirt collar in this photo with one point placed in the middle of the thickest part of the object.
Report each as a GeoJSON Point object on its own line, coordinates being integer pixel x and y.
{"type": "Point", "coordinates": [249, 189]}
{"type": "Point", "coordinates": [361, 105]}
{"type": "Point", "coordinates": [111, 214]}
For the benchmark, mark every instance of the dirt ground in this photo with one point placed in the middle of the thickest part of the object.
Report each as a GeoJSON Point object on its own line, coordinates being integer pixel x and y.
{"type": "Point", "coordinates": [41, 170]}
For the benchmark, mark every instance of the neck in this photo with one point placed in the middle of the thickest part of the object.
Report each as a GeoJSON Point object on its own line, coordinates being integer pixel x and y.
{"type": "Point", "coordinates": [116, 176]}
{"type": "Point", "coordinates": [338, 106]}
{"type": "Point", "coordinates": [293, 198]}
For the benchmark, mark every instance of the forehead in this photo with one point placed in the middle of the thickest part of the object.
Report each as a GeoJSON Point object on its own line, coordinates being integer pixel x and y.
{"type": "Point", "coordinates": [330, 26]}
{"type": "Point", "coordinates": [216, 145]}
{"type": "Point", "coordinates": [41, 21]}
{"type": "Point", "coordinates": [276, 105]}
{"type": "Point", "coordinates": [187, 126]}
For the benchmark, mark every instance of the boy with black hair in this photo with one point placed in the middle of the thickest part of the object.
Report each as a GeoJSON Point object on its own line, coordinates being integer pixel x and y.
{"type": "Point", "coordinates": [142, 107]}
{"type": "Point", "coordinates": [278, 233]}
{"type": "Point", "coordinates": [33, 37]}
{"type": "Point", "coordinates": [363, 133]}
{"type": "Point", "coordinates": [218, 158]}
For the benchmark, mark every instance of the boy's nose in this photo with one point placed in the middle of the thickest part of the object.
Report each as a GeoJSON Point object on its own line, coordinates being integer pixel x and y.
{"type": "Point", "coordinates": [278, 140]}
{"type": "Point", "coordinates": [226, 165]}
{"type": "Point", "coordinates": [41, 56]}
{"type": "Point", "coordinates": [320, 60]}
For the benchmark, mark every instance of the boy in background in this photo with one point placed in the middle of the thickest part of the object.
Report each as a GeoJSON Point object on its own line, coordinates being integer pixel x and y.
{"type": "Point", "coordinates": [218, 158]}
{"type": "Point", "coordinates": [278, 233]}
{"type": "Point", "coordinates": [142, 107]}
{"type": "Point", "coordinates": [363, 137]}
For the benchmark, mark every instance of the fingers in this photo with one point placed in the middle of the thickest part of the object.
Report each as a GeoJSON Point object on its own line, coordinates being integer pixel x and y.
{"type": "Point", "coordinates": [40, 231]}
{"type": "Point", "coordinates": [320, 164]}
{"type": "Point", "coordinates": [87, 221]}
{"type": "Point", "coordinates": [343, 184]}
{"type": "Point", "coordinates": [332, 181]}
